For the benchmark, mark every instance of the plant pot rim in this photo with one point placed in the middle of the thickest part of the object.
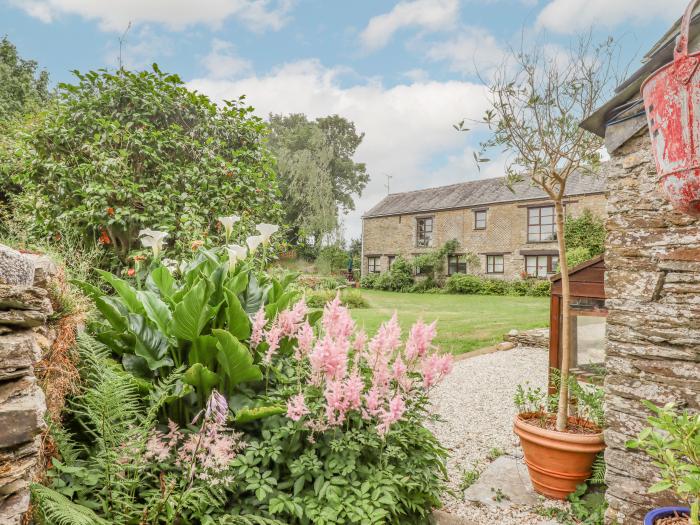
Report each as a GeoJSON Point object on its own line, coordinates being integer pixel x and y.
{"type": "Point", "coordinates": [663, 512]}
{"type": "Point", "coordinates": [522, 424]}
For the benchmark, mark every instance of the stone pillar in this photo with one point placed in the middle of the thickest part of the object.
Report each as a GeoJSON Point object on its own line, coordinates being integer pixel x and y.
{"type": "Point", "coordinates": [653, 332]}
{"type": "Point", "coordinates": [24, 309]}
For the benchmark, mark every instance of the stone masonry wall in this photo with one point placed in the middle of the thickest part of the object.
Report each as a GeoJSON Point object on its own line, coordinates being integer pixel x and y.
{"type": "Point", "coordinates": [24, 309]}
{"type": "Point", "coordinates": [653, 333]}
{"type": "Point", "coordinates": [506, 233]}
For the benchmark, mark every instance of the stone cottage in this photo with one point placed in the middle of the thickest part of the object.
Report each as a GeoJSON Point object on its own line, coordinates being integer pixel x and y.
{"type": "Point", "coordinates": [511, 232]}
{"type": "Point", "coordinates": [653, 292]}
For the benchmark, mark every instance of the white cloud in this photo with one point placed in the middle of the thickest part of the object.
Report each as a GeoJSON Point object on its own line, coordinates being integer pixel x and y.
{"type": "Point", "coordinates": [222, 61]}
{"type": "Point", "coordinates": [473, 49]}
{"type": "Point", "coordinates": [140, 49]}
{"type": "Point", "coordinates": [430, 15]}
{"type": "Point", "coordinates": [571, 16]}
{"type": "Point", "coordinates": [406, 126]}
{"type": "Point", "coordinates": [114, 15]}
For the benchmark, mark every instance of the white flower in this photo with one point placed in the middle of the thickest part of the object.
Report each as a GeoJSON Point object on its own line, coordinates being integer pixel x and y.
{"type": "Point", "coordinates": [153, 239]}
{"type": "Point", "coordinates": [235, 253]}
{"type": "Point", "coordinates": [254, 241]}
{"type": "Point", "coordinates": [266, 231]}
{"type": "Point", "coordinates": [228, 223]}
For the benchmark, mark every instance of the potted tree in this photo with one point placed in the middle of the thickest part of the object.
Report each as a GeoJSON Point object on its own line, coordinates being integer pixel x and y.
{"type": "Point", "coordinates": [673, 442]}
{"type": "Point", "coordinates": [537, 100]}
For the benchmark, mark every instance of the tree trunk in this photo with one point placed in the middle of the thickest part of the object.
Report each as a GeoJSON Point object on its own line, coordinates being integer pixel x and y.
{"type": "Point", "coordinates": [563, 408]}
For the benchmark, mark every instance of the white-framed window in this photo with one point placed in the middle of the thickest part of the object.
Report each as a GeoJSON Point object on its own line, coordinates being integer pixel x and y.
{"type": "Point", "coordinates": [373, 265]}
{"type": "Point", "coordinates": [541, 225]}
{"type": "Point", "coordinates": [494, 264]}
{"type": "Point", "coordinates": [424, 232]}
{"type": "Point", "coordinates": [541, 265]}
{"type": "Point", "coordinates": [480, 220]}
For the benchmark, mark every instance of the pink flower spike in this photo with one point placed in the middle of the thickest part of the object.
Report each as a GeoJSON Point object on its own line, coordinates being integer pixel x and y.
{"type": "Point", "coordinates": [217, 408]}
{"type": "Point", "coordinates": [397, 407]}
{"type": "Point", "coordinates": [258, 330]}
{"type": "Point", "coordinates": [296, 407]}
{"type": "Point", "coordinates": [336, 319]}
{"type": "Point", "coordinates": [290, 320]}
{"type": "Point", "coordinates": [399, 369]}
{"type": "Point", "coordinates": [274, 335]}
{"type": "Point", "coordinates": [305, 341]}
{"type": "Point", "coordinates": [434, 368]}
{"type": "Point", "coordinates": [420, 339]}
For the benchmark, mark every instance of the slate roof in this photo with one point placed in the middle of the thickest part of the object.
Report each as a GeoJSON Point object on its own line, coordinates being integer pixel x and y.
{"type": "Point", "coordinates": [477, 193]}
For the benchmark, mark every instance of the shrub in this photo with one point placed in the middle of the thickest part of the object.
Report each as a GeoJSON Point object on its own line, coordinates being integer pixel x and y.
{"type": "Point", "coordinates": [117, 152]}
{"type": "Point", "coordinates": [586, 231]}
{"type": "Point", "coordinates": [399, 278]}
{"type": "Point", "coordinates": [576, 256]}
{"type": "Point", "coordinates": [476, 285]}
{"type": "Point", "coordinates": [332, 259]}
{"type": "Point", "coordinates": [349, 297]}
{"type": "Point", "coordinates": [464, 284]}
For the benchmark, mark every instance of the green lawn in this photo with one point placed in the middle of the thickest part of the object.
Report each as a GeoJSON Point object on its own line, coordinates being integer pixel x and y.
{"type": "Point", "coordinates": [465, 322]}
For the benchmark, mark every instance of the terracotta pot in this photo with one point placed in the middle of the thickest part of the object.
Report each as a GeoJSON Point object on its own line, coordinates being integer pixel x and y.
{"type": "Point", "coordinates": [557, 461]}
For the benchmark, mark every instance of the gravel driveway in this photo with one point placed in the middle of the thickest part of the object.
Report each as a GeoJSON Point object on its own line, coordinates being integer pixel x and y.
{"type": "Point", "coordinates": [476, 402]}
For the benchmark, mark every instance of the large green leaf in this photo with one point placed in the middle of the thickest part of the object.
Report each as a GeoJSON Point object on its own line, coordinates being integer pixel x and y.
{"type": "Point", "coordinates": [254, 296]}
{"type": "Point", "coordinates": [136, 365]}
{"type": "Point", "coordinates": [193, 312]}
{"type": "Point", "coordinates": [156, 310]}
{"type": "Point", "coordinates": [161, 280]}
{"type": "Point", "coordinates": [246, 415]}
{"type": "Point", "coordinates": [200, 377]}
{"type": "Point", "coordinates": [237, 318]}
{"type": "Point", "coordinates": [203, 351]}
{"type": "Point", "coordinates": [235, 360]}
{"type": "Point", "coordinates": [124, 290]}
{"type": "Point", "coordinates": [238, 283]}
{"type": "Point", "coordinates": [92, 291]}
{"type": "Point", "coordinates": [282, 302]}
{"type": "Point", "coordinates": [150, 343]}
{"type": "Point", "coordinates": [113, 311]}
{"type": "Point", "coordinates": [217, 279]}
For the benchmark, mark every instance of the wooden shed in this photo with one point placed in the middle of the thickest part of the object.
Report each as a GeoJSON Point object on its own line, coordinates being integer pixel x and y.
{"type": "Point", "coordinates": [588, 313]}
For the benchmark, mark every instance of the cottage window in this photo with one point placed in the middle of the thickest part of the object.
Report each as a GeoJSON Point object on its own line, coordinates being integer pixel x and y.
{"type": "Point", "coordinates": [480, 220]}
{"type": "Point", "coordinates": [424, 238]}
{"type": "Point", "coordinates": [541, 265]}
{"type": "Point", "coordinates": [373, 264]}
{"type": "Point", "coordinates": [456, 264]}
{"type": "Point", "coordinates": [494, 264]}
{"type": "Point", "coordinates": [541, 225]}
{"type": "Point", "coordinates": [390, 261]}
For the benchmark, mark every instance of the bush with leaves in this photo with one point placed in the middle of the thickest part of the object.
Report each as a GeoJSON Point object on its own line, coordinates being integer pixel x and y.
{"type": "Point", "coordinates": [106, 471]}
{"type": "Point", "coordinates": [116, 152]}
{"type": "Point", "coordinates": [398, 278]}
{"type": "Point", "coordinates": [673, 441]}
{"type": "Point", "coordinates": [477, 285]}
{"type": "Point", "coordinates": [195, 315]}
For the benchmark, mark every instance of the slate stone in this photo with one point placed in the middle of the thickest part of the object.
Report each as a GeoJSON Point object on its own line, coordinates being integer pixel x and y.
{"type": "Point", "coordinates": [510, 476]}
{"type": "Point", "coordinates": [45, 270]}
{"type": "Point", "coordinates": [22, 318]}
{"type": "Point", "coordinates": [15, 268]}
{"type": "Point", "coordinates": [18, 297]}
{"type": "Point", "coordinates": [18, 353]}
{"type": "Point", "coordinates": [22, 418]}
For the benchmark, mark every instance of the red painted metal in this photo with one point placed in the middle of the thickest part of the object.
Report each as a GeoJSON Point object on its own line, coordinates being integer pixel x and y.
{"type": "Point", "coordinates": [672, 102]}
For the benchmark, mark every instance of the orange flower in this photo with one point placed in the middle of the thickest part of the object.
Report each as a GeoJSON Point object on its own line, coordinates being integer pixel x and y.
{"type": "Point", "coordinates": [110, 211]}
{"type": "Point", "coordinates": [104, 237]}
{"type": "Point", "coordinates": [139, 258]}
{"type": "Point", "coordinates": [196, 245]}
{"type": "Point", "coordinates": [131, 272]}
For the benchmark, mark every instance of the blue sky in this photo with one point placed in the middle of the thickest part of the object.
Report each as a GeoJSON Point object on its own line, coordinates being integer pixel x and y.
{"type": "Point", "coordinates": [404, 72]}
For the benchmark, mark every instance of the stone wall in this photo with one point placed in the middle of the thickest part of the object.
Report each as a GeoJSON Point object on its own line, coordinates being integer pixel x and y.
{"type": "Point", "coordinates": [24, 309]}
{"type": "Point", "coordinates": [505, 233]}
{"type": "Point", "coordinates": [653, 334]}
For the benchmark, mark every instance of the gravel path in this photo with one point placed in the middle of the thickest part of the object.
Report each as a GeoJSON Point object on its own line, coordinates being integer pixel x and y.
{"type": "Point", "coordinates": [476, 402]}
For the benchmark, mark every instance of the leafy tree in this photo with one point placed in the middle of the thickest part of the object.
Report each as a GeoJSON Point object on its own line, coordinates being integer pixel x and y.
{"type": "Point", "coordinates": [537, 103]}
{"type": "Point", "coordinates": [118, 152]}
{"type": "Point", "coordinates": [316, 172]}
{"type": "Point", "coordinates": [585, 231]}
{"type": "Point", "coordinates": [22, 87]}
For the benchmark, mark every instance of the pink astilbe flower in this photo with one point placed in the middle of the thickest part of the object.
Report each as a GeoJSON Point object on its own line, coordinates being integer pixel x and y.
{"type": "Point", "coordinates": [398, 370]}
{"type": "Point", "coordinates": [354, 386]}
{"type": "Point", "coordinates": [305, 341]}
{"type": "Point", "coordinates": [290, 321]}
{"type": "Point", "coordinates": [296, 407]}
{"type": "Point", "coordinates": [373, 403]}
{"type": "Point", "coordinates": [217, 408]}
{"type": "Point", "coordinates": [258, 331]}
{"type": "Point", "coordinates": [420, 340]}
{"type": "Point", "coordinates": [329, 359]}
{"type": "Point", "coordinates": [387, 340]}
{"type": "Point", "coordinates": [360, 341]}
{"type": "Point", "coordinates": [434, 367]}
{"type": "Point", "coordinates": [336, 320]}
{"type": "Point", "coordinates": [336, 403]}
{"type": "Point", "coordinates": [273, 338]}
{"type": "Point", "coordinates": [397, 407]}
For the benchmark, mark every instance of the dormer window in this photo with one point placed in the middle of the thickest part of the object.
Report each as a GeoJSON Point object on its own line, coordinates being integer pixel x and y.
{"type": "Point", "coordinates": [424, 234]}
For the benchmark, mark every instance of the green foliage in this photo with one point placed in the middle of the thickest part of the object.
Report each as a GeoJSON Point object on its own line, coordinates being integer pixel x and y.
{"type": "Point", "coordinates": [316, 171]}
{"type": "Point", "coordinates": [332, 259]}
{"type": "Point", "coordinates": [349, 297]}
{"type": "Point", "coordinates": [432, 263]}
{"type": "Point", "coordinates": [118, 152]}
{"type": "Point", "coordinates": [399, 278]}
{"type": "Point", "coordinates": [673, 441]}
{"type": "Point", "coordinates": [476, 285]}
{"type": "Point", "coordinates": [350, 475]}
{"type": "Point", "coordinates": [197, 318]}
{"type": "Point", "coordinates": [585, 231]}
{"type": "Point", "coordinates": [586, 507]}
{"type": "Point", "coordinates": [23, 89]}
{"type": "Point", "coordinates": [576, 256]}
{"type": "Point", "coordinates": [469, 477]}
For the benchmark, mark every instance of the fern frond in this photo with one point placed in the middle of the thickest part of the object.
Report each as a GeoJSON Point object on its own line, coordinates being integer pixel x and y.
{"type": "Point", "coordinates": [243, 519]}
{"type": "Point", "coordinates": [599, 467]}
{"type": "Point", "coordinates": [59, 510]}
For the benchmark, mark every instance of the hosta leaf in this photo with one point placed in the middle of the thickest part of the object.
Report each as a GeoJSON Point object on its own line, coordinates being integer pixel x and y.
{"type": "Point", "coordinates": [235, 359]}
{"type": "Point", "coordinates": [150, 343]}
{"type": "Point", "coordinates": [200, 377]}
{"type": "Point", "coordinates": [124, 290]}
{"type": "Point", "coordinates": [193, 312]}
{"type": "Point", "coordinates": [238, 321]}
